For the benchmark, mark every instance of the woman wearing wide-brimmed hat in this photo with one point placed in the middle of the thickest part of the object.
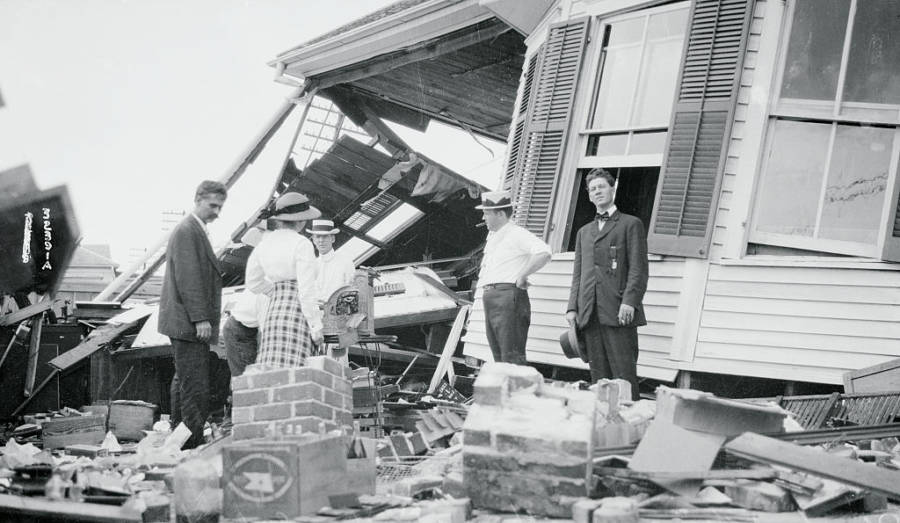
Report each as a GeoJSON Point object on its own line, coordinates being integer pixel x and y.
{"type": "Point", "coordinates": [283, 267]}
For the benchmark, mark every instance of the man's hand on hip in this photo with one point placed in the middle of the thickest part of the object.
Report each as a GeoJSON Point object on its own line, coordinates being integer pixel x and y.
{"type": "Point", "coordinates": [204, 330]}
{"type": "Point", "coordinates": [626, 314]}
{"type": "Point", "coordinates": [571, 316]}
{"type": "Point", "coordinates": [522, 282]}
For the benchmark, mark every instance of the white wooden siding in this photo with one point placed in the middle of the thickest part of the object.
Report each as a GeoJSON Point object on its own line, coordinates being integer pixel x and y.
{"type": "Point", "coordinates": [798, 323]}
{"type": "Point", "coordinates": [549, 294]}
{"type": "Point", "coordinates": [738, 135]}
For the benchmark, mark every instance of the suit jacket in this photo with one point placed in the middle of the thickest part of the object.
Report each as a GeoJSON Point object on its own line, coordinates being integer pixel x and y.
{"type": "Point", "coordinates": [611, 268]}
{"type": "Point", "coordinates": [192, 286]}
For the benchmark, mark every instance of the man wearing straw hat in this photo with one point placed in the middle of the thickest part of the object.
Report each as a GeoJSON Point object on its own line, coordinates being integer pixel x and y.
{"type": "Point", "coordinates": [334, 269]}
{"type": "Point", "coordinates": [511, 254]}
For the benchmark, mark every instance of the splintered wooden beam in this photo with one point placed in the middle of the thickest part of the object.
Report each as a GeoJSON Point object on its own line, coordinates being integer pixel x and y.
{"type": "Point", "coordinates": [769, 450]}
{"type": "Point", "coordinates": [23, 314]}
{"type": "Point", "coordinates": [41, 508]}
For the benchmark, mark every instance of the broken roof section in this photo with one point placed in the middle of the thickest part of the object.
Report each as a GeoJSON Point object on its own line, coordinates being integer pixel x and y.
{"type": "Point", "coordinates": [377, 201]}
{"type": "Point", "coordinates": [413, 62]}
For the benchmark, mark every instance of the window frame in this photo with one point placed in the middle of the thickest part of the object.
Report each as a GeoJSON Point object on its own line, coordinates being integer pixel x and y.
{"type": "Point", "coordinates": [834, 113]}
{"type": "Point", "coordinates": [594, 74]}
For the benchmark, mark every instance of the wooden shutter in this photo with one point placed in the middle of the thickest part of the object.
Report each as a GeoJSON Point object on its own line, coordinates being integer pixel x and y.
{"type": "Point", "coordinates": [512, 158]}
{"type": "Point", "coordinates": [688, 191]}
{"type": "Point", "coordinates": [543, 140]}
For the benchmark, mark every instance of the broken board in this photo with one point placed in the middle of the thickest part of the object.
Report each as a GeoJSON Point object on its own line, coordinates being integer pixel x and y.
{"type": "Point", "coordinates": [769, 450]}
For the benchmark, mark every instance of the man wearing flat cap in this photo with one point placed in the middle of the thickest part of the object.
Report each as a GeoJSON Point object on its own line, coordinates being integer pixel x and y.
{"type": "Point", "coordinates": [511, 254]}
{"type": "Point", "coordinates": [608, 284]}
{"type": "Point", "coordinates": [189, 308]}
{"type": "Point", "coordinates": [334, 269]}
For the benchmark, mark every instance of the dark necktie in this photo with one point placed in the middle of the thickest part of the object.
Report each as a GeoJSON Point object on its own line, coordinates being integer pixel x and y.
{"type": "Point", "coordinates": [604, 216]}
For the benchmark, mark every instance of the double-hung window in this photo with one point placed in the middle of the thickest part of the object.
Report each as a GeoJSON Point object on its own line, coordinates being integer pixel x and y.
{"type": "Point", "coordinates": [829, 175]}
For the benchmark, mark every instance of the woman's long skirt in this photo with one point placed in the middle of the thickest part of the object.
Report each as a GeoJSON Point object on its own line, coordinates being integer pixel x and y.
{"type": "Point", "coordinates": [285, 339]}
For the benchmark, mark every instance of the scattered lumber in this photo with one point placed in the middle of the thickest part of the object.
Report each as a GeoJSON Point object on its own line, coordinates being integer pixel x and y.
{"type": "Point", "coordinates": [772, 451]}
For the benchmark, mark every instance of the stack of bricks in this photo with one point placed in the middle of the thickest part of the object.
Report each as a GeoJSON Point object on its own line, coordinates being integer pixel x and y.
{"type": "Point", "coordinates": [285, 402]}
{"type": "Point", "coordinates": [525, 444]}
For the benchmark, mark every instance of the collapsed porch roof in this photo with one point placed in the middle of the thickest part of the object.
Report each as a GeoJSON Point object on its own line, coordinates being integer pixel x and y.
{"type": "Point", "coordinates": [415, 61]}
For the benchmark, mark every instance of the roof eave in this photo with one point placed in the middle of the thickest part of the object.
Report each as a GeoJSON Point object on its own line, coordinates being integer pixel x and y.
{"type": "Point", "coordinates": [421, 22]}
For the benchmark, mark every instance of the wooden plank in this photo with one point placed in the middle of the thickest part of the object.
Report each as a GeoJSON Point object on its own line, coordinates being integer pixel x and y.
{"type": "Point", "coordinates": [34, 349]}
{"type": "Point", "coordinates": [94, 342]}
{"type": "Point", "coordinates": [881, 377]}
{"type": "Point", "coordinates": [768, 450]}
{"type": "Point", "coordinates": [449, 348]}
{"type": "Point", "coordinates": [23, 314]}
{"type": "Point", "coordinates": [29, 507]}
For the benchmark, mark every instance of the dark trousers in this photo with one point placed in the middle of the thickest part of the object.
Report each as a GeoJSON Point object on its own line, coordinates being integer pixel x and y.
{"type": "Point", "coordinates": [613, 353]}
{"type": "Point", "coordinates": [507, 314]}
{"type": "Point", "coordinates": [190, 388]}
{"type": "Point", "coordinates": [241, 345]}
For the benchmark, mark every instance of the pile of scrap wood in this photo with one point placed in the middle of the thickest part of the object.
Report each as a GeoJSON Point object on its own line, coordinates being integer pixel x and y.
{"type": "Point", "coordinates": [726, 469]}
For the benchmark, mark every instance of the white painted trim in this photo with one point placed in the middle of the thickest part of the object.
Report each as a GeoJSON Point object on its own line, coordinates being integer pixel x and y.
{"type": "Point", "coordinates": [690, 309]}
{"type": "Point", "coordinates": [383, 36]}
{"type": "Point", "coordinates": [625, 160]}
{"type": "Point", "coordinates": [815, 262]}
{"type": "Point", "coordinates": [753, 143]}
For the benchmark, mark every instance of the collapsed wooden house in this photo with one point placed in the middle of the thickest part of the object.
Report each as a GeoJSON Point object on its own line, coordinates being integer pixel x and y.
{"type": "Point", "coordinates": [762, 161]}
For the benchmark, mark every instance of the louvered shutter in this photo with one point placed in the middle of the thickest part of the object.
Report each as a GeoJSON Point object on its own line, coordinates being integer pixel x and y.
{"type": "Point", "coordinates": [891, 250]}
{"type": "Point", "coordinates": [512, 158]}
{"type": "Point", "coordinates": [688, 191]}
{"type": "Point", "coordinates": [543, 140]}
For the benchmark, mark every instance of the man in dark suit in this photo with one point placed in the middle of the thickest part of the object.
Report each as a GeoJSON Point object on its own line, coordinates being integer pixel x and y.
{"type": "Point", "coordinates": [190, 306]}
{"type": "Point", "coordinates": [608, 284]}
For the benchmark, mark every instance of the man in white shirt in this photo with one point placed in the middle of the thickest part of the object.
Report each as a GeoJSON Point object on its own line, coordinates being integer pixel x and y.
{"type": "Point", "coordinates": [511, 254]}
{"type": "Point", "coordinates": [334, 269]}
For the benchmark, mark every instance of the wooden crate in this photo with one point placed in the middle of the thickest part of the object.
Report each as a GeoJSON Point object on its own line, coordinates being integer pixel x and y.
{"type": "Point", "coordinates": [61, 432]}
{"type": "Point", "coordinates": [283, 479]}
{"type": "Point", "coordinates": [129, 419]}
{"type": "Point", "coordinates": [883, 377]}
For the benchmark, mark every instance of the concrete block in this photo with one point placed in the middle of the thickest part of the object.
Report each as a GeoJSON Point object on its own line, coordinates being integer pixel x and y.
{"type": "Point", "coordinates": [759, 495]}
{"type": "Point", "coordinates": [241, 415]}
{"type": "Point", "coordinates": [491, 389]}
{"type": "Point", "coordinates": [506, 442]}
{"type": "Point", "coordinates": [473, 437]}
{"type": "Point", "coordinates": [319, 376]}
{"type": "Point", "coordinates": [276, 411]}
{"type": "Point", "coordinates": [448, 510]}
{"type": "Point", "coordinates": [342, 386]}
{"type": "Point", "coordinates": [241, 382]}
{"type": "Point", "coordinates": [272, 378]}
{"type": "Point", "coordinates": [519, 376]}
{"type": "Point", "coordinates": [313, 408]}
{"type": "Point", "coordinates": [552, 466]}
{"type": "Point", "coordinates": [332, 399]}
{"type": "Point", "coordinates": [249, 398]}
{"type": "Point", "coordinates": [252, 431]}
{"type": "Point", "coordinates": [521, 493]}
{"type": "Point", "coordinates": [298, 391]}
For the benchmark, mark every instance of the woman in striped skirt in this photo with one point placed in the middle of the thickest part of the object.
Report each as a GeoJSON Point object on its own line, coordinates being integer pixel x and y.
{"type": "Point", "coordinates": [283, 267]}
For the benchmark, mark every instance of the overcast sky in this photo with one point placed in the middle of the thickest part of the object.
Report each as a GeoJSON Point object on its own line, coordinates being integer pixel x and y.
{"type": "Point", "coordinates": [131, 103]}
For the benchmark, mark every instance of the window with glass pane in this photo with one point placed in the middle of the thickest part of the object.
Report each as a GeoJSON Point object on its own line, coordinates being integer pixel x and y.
{"type": "Point", "coordinates": [833, 145]}
{"type": "Point", "coordinates": [639, 60]}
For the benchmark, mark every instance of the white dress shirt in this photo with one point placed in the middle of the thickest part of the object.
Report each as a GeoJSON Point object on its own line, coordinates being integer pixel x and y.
{"type": "Point", "coordinates": [335, 271]}
{"type": "Point", "coordinates": [248, 308]}
{"type": "Point", "coordinates": [286, 255]}
{"type": "Point", "coordinates": [600, 223]}
{"type": "Point", "coordinates": [507, 252]}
